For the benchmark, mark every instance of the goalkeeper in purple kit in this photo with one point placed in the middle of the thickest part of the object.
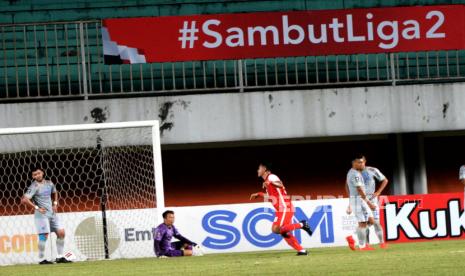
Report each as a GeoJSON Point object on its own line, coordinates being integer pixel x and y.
{"type": "Point", "coordinates": [162, 236]}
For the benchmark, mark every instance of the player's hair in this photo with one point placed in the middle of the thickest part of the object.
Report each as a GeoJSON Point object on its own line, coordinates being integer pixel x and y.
{"type": "Point", "coordinates": [267, 165]}
{"type": "Point", "coordinates": [167, 212]}
{"type": "Point", "coordinates": [37, 168]}
{"type": "Point", "coordinates": [359, 156]}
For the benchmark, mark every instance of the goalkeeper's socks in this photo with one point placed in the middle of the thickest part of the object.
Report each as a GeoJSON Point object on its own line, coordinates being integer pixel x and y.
{"type": "Point", "coordinates": [290, 227]}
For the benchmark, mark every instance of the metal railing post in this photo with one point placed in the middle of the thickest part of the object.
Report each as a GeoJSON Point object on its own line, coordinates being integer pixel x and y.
{"type": "Point", "coordinates": [240, 75]}
{"type": "Point", "coordinates": [393, 68]}
{"type": "Point", "coordinates": [83, 60]}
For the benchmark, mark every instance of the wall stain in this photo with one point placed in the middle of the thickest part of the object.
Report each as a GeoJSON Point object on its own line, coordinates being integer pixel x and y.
{"type": "Point", "coordinates": [166, 114]}
{"type": "Point", "coordinates": [332, 114]}
{"type": "Point", "coordinates": [98, 114]}
{"type": "Point", "coordinates": [445, 107]}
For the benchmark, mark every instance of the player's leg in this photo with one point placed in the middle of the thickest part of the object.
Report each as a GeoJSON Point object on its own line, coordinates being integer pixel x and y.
{"type": "Point", "coordinates": [43, 230]}
{"type": "Point", "coordinates": [350, 239]}
{"type": "Point", "coordinates": [370, 223]}
{"type": "Point", "coordinates": [181, 246]}
{"type": "Point", "coordinates": [365, 218]}
{"type": "Point", "coordinates": [288, 226]}
{"type": "Point", "coordinates": [177, 253]}
{"type": "Point", "coordinates": [303, 224]}
{"type": "Point", "coordinates": [378, 228]}
{"type": "Point", "coordinates": [362, 231]}
{"type": "Point", "coordinates": [56, 227]}
{"type": "Point", "coordinates": [282, 219]}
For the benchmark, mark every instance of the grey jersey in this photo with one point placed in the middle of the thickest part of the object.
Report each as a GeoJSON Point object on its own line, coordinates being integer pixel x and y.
{"type": "Point", "coordinates": [462, 173]}
{"type": "Point", "coordinates": [41, 195]}
{"type": "Point", "coordinates": [354, 180]}
{"type": "Point", "coordinates": [371, 175]}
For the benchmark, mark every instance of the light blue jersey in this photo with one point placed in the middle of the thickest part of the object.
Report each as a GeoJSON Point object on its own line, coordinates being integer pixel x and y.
{"type": "Point", "coordinates": [359, 206]}
{"type": "Point", "coordinates": [41, 195]}
{"type": "Point", "coordinates": [371, 176]}
{"type": "Point", "coordinates": [354, 180]}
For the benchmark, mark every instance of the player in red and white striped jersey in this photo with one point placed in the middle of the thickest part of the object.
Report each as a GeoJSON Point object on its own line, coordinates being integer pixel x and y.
{"type": "Point", "coordinates": [277, 196]}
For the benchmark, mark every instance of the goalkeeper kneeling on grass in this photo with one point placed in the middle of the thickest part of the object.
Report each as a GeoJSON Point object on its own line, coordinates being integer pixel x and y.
{"type": "Point", "coordinates": [162, 236]}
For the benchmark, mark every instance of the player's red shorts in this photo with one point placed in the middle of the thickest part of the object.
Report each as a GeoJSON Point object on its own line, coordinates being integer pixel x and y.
{"type": "Point", "coordinates": [283, 218]}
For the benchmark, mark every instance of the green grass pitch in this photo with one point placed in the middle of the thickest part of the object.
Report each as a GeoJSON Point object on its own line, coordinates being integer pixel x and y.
{"type": "Point", "coordinates": [424, 258]}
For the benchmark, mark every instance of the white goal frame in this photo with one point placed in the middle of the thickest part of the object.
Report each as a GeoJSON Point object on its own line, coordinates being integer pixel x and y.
{"type": "Point", "coordinates": [154, 124]}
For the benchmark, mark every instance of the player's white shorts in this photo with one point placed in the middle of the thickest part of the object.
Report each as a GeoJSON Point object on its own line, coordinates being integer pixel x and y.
{"type": "Point", "coordinates": [376, 211]}
{"type": "Point", "coordinates": [46, 224]}
{"type": "Point", "coordinates": [361, 210]}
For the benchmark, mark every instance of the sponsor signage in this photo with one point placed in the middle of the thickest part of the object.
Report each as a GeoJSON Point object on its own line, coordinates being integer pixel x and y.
{"type": "Point", "coordinates": [283, 34]}
{"type": "Point", "coordinates": [234, 227]}
{"type": "Point", "coordinates": [218, 228]}
{"type": "Point", "coordinates": [423, 217]}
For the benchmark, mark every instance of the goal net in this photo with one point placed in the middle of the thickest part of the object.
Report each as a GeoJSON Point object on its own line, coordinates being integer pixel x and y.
{"type": "Point", "coordinates": [109, 183]}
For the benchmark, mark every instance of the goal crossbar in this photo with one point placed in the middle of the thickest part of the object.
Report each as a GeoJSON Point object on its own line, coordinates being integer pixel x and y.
{"type": "Point", "coordinates": [78, 127]}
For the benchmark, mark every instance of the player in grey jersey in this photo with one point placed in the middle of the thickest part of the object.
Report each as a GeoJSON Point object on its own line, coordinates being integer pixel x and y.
{"type": "Point", "coordinates": [39, 196]}
{"type": "Point", "coordinates": [372, 176]}
{"type": "Point", "coordinates": [462, 174]}
{"type": "Point", "coordinates": [359, 202]}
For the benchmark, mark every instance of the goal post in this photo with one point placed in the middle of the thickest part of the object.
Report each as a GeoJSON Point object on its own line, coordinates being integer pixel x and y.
{"type": "Point", "coordinates": [110, 184]}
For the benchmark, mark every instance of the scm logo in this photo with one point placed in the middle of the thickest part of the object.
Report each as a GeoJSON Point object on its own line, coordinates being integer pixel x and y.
{"type": "Point", "coordinates": [18, 243]}
{"type": "Point", "coordinates": [218, 223]}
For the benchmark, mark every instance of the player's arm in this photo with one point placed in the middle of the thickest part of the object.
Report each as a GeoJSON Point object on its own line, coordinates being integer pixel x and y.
{"type": "Point", "coordinates": [349, 209]}
{"type": "Point", "coordinates": [384, 181]}
{"type": "Point", "coordinates": [275, 181]}
{"type": "Point", "coordinates": [26, 199]}
{"type": "Point", "coordinates": [157, 237]}
{"type": "Point", "coordinates": [55, 202]}
{"type": "Point", "coordinates": [257, 195]}
{"type": "Point", "coordinates": [382, 186]}
{"type": "Point", "coordinates": [278, 184]}
{"type": "Point", "coordinates": [182, 239]}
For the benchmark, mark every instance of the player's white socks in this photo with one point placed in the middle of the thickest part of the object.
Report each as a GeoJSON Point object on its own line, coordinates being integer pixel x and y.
{"type": "Point", "coordinates": [379, 231]}
{"type": "Point", "coordinates": [362, 236]}
{"type": "Point", "coordinates": [60, 247]}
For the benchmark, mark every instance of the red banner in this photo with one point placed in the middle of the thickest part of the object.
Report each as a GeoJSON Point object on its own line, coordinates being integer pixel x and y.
{"type": "Point", "coordinates": [283, 34]}
{"type": "Point", "coordinates": [423, 217]}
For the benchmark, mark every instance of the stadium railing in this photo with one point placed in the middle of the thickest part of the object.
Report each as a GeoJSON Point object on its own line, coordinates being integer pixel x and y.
{"type": "Point", "coordinates": [64, 60]}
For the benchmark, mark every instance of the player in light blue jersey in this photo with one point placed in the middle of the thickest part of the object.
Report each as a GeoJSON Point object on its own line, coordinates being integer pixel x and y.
{"type": "Point", "coordinates": [359, 203]}
{"type": "Point", "coordinates": [39, 197]}
{"type": "Point", "coordinates": [372, 176]}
